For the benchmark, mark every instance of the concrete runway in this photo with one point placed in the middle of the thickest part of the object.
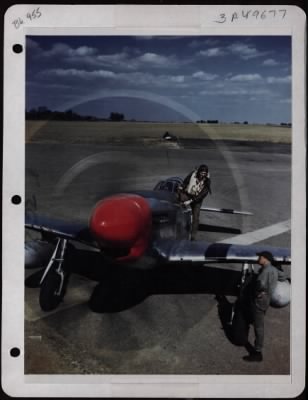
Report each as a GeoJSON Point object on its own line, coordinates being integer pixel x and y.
{"type": "Point", "coordinates": [177, 329]}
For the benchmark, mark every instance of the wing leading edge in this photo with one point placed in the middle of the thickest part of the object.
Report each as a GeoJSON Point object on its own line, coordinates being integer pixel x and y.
{"type": "Point", "coordinates": [60, 228]}
{"type": "Point", "coordinates": [202, 252]}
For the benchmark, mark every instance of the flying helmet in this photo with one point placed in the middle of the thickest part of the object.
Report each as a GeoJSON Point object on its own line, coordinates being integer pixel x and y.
{"type": "Point", "coordinates": [202, 170]}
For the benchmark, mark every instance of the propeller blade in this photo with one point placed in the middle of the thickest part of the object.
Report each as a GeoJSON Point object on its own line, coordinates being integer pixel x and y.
{"type": "Point", "coordinates": [226, 211]}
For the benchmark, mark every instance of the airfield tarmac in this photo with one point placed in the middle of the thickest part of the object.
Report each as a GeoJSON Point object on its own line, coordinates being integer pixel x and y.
{"type": "Point", "coordinates": [174, 327]}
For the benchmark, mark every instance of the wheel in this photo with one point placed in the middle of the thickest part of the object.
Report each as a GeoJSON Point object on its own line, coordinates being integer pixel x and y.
{"type": "Point", "coordinates": [96, 302]}
{"type": "Point", "coordinates": [33, 280]}
{"type": "Point", "coordinates": [239, 327]}
{"type": "Point", "coordinates": [49, 297]}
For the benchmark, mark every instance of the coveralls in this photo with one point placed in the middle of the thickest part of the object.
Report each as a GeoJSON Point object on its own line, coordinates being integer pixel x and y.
{"type": "Point", "coordinates": [266, 282]}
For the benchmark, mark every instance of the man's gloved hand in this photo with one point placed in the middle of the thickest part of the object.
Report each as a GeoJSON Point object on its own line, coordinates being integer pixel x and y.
{"type": "Point", "coordinates": [187, 203]}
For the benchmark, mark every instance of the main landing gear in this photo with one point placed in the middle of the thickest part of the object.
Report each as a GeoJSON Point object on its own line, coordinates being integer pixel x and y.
{"type": "Point", "coordinates": [55, 278]}
{"type": "Point", "coordinates": [241, 313]}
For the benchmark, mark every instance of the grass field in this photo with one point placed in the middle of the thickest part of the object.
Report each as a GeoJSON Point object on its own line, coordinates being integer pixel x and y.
{"type": "Point", "coordinates": [101, 132]}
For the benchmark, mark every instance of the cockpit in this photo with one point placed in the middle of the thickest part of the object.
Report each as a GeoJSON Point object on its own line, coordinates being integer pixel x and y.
{"type": "Point", "coordinates": [170, 185]}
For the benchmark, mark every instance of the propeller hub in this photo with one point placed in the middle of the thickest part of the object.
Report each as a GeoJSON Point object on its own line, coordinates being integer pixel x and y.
{"type": "Point", "coordinates": [122, 222]}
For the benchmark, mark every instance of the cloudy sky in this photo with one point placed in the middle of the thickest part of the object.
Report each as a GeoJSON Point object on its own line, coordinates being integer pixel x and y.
{"type": "Point", "coordinates": [167, 78]}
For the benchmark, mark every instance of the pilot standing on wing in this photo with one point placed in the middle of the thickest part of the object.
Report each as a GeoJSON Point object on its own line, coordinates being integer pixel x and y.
{"type": "Point", "coordinates": [265, 283]}
{"type": "Point", "coordinates": [196, 186]}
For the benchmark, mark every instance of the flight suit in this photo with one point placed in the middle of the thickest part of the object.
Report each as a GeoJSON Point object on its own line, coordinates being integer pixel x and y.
{"type": "Point", "coordinates": [196, 193]}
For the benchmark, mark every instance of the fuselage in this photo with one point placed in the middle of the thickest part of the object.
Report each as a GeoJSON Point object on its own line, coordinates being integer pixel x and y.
{"type": "Point", "coordinates": [126, 224]}
{"type": "Point", "coordinates": [170, 220]}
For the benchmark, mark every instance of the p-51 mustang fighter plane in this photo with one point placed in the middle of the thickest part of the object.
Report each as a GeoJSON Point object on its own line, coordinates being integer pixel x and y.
{"type": "Point", "coordinates": [127, 228]}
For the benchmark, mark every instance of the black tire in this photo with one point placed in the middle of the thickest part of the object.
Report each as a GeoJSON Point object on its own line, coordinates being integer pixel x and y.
{"type": "Point", "coordinates": [33, 280]}
{"type": "Point", "coordinates": [239, 328]}
{"type": "Point", "coordinates": [96, 302]}
{"type": "Point", "coordinates": [48, 299]}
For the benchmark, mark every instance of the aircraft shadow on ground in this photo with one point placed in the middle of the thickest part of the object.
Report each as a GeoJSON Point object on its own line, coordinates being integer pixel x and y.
{"type": "Point", "coordinates": [122, 286]}
{"type": "Point", "coordinates": [216, 228]}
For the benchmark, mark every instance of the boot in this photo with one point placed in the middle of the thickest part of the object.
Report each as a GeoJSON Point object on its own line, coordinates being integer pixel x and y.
{"type": "Point", "coordinates": [255, 356]}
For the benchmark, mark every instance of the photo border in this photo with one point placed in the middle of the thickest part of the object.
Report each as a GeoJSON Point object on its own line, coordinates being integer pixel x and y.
{"type": "Point", "coordinates": [133, 20]}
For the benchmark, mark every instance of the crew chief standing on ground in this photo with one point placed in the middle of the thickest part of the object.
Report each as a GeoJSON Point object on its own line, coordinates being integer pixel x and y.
{"type": "Point", "coordinates": [265, 284]}
{"type": "Point", "coordinates": [196, 186]}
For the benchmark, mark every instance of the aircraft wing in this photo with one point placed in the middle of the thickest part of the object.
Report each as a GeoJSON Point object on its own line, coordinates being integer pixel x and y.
{"type": "Point", "coordinates": [201, 252]}
{"type": "Point", "coordinates": [52, 227]}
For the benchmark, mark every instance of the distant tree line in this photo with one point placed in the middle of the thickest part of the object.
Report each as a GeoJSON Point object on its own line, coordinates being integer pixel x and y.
{"type": "Point", "coordinates": [43, 113]}
{"type": "Point", "coordinates": [216, 121]}
{"type": "Point", "coordinates": [114, 116]}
